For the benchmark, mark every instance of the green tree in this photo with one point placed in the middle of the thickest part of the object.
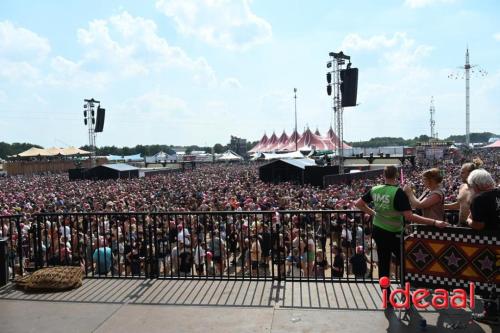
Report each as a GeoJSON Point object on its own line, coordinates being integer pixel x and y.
{"type": "Point", "coordinates": [14, 148]}
{"type": "Point", "coordinates": [218, 148]}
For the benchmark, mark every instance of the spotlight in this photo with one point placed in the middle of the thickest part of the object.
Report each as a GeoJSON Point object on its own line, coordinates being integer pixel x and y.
{"type": "Point", "coordinates": [329, 90]}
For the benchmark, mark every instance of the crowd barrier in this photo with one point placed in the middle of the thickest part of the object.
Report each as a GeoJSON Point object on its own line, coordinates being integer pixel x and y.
{"type": "Point", "coordinates": [277, 245]}
{"type": "Point", "coordinates": [270, 245]}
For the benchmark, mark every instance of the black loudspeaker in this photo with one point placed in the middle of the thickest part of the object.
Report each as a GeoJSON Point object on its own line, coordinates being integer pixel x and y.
{"type": "Point", "coordinates": [100, 119]}
{"type": "Point", "coordinates": [349, 86]}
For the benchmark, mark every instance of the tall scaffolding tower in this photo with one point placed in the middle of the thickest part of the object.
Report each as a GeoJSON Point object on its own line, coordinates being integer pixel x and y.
{"type": "Point", "coordinates": [335, 66]}
{"type": "Point", "coordinates": [466, 71]}
{"type": "Point", "coordinates": [432, 111]}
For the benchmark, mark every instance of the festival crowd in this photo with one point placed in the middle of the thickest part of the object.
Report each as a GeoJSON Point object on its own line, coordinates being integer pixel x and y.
{"type": "Point", "coordinates": [299, 243]}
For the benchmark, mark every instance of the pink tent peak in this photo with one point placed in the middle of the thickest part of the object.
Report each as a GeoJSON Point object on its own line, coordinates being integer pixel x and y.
{"type": "Point", "coordinates": [262, 143]}
{"type": "Point", "coordinates": [271, 143]}
{"type": "Point", "coordinates": [282, 141]}
{"type": "Point", "coordinates": [495, 144]}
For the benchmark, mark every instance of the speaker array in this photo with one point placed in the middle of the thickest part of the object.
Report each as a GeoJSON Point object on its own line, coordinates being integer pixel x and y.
{"type": "Point", "coordinates": [100, 119]}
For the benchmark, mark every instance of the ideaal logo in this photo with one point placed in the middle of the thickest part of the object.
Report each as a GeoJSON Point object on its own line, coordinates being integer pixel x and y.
{"type": "Point", "coordinates": [440, 298]}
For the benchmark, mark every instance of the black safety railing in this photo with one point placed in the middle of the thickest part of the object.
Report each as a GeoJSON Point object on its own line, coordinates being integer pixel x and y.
{"type": "Point", "coordinates": [11, 231]}
{"type": "Point", "coordinates": [326, 245]}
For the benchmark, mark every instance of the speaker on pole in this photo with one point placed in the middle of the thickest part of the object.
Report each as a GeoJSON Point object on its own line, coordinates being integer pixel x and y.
{"type": "Point", "coordinates": [100, 119]}
{"type": "Point", "coordinates": [349, 86]}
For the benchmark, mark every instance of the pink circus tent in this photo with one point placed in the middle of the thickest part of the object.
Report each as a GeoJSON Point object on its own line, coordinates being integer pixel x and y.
{"type": "Point", "coordinates": [495, 144]}
{"type": "Point", "coordinates": [262, 143]}
{"type": "Point", "coordinates": [335, 139]}
{"type": "Point", "coordinates": [290, 145]}
{"type": "Point", "coordinates": [271, 143]}
{"type": "Point", "coordinates": [282, 141]}
{"type": "Point", "coordinates": [305, 142]}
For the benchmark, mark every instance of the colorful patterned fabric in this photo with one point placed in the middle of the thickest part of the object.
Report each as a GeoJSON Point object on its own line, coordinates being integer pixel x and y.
{"type": "Point", "coordinates": [451, 258]}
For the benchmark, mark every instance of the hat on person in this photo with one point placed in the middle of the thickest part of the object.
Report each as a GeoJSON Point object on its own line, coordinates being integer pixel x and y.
{"type": "Point", "coordinates": [209, 254]}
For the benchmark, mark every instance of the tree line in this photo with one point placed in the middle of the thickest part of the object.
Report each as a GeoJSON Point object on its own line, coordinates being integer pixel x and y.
{"type": "Point", "coordinates": [393, 141]}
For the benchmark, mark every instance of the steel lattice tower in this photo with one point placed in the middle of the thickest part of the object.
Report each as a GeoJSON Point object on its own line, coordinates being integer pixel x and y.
{"type": "Point", "coordinates": [432, 111]}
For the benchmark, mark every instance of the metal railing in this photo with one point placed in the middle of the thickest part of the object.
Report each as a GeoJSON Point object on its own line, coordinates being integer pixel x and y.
{"type": "Point", "coordinates": [324, 245]}
{"type": "Point", "coordinates": [294, 245]}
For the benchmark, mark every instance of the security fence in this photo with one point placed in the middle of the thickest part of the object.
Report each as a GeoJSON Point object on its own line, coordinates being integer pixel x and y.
{"type": "Point", "coordinates": [325, 245]}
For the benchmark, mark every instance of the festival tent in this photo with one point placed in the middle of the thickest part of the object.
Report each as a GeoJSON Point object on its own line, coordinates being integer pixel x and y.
{"type": "Point", "coordinates": [495, 144]}
{"type": "Point", "coordinates": [230, 156]}
{"type": "Point", "coordinates": [335, 139]}
{"type": "Point", "coordinates": [262, 143]}
{"type": "Point", "coordinates": [51, 152]}
{"type": "Point", "coordinates": [310, 141]}
{"type": "Point", "coordinates": [282, 141]}
{"type": "Point", "coordinates": [272, 143]}
{"type": "Point", "coordinates": [72, 151]}
{"type": "Point", "coordinates": [32, 152]}
{"type": "Point", "coordinates": [290, 146]}
{"type": "Point", "coordinates": [128, 158]}
{"type": "Point", "coordinates": [273, 156]}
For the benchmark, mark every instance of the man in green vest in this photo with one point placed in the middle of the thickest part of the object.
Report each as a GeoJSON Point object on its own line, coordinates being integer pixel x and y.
{"type": "Point", "coordinates": [391, 208]}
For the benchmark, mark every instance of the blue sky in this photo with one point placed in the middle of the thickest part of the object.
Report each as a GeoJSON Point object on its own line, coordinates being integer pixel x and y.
{"type": "Point", "coordinates": [195, 72]}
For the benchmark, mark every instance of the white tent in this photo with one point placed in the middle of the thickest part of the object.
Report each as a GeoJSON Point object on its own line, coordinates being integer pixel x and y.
{"type": "Point", "coordinates": [53, 151]}
{"type": "Point", "coordinates": [230, 156]}
{"type": "Point", "coordinates": [272, 156]}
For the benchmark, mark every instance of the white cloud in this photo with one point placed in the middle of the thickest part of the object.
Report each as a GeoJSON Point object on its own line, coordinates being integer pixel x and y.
{"type": "Point", "coordinates": [21, 51]}
{"type": "Point", "coordinates": [19, 72]}
{"type": "Point", "coordinates": [231, 82]}
{"type": "Point", "coordinates": [17, 43]}
{"type": "Point", "coordinates": [398, 50]}
{"type": "Point", "coordinates": [230, 24]}
{"type": "Point", "coordinates": [132, 46]}
{"type": "Point", "coordinates": [497, 36]}
{"type": "Point", "coordinates": [155, 107]}
{"type": "Point", "coordinates": [356, 42]}
{"type": "Point", "coordinates": [397, 86]}
{"type": "Point", "coordinates": [160, 103]}
{"type": "Point", "coordinates": [65, 72]}
{"type": "Point", "coordinates": [425, 3]}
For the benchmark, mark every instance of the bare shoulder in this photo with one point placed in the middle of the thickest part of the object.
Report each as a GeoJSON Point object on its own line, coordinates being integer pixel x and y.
{"type": "Point", "coordinates": [463, 192]}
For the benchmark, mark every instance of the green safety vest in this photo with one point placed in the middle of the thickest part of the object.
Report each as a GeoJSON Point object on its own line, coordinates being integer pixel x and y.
{"type": "Point", "coordinates": [387, 217]}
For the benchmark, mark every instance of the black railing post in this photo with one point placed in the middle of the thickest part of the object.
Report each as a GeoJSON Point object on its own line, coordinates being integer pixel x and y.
{"type": "Point", "coordinates": [4, 261]}
{"type": "Point", "coordinates": [20, 246]}
{"type": "Point", "coordinates": [151, 260]}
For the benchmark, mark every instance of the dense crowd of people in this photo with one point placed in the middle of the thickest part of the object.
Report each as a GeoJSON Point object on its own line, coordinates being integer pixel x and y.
{"type": "Point", "coordinates": [301, 244]}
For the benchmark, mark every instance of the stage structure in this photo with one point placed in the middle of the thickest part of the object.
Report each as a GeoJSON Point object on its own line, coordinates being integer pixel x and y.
{"type": "Point", "coordinates": [89, 119]}
{"type": "Point", "coordinates": [342, 82]}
